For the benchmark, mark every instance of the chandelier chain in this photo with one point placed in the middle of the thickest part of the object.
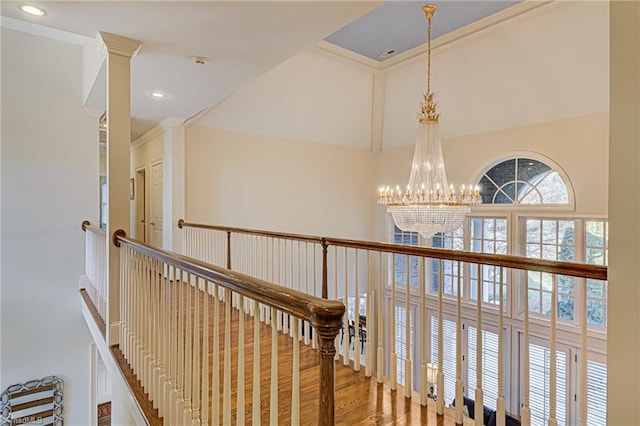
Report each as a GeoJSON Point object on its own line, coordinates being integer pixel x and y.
{"type": "Point", "coordinates": [429, 54]}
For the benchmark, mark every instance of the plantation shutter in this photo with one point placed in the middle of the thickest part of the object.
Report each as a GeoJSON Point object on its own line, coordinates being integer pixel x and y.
{"type": "Point", "coordinates": [539, 360]}
{"type": "Point", "coordinates": [596, 393]}
{"type": "Point", "coordinates": [449, 356]}
{"type": "Point", "coordinates": [401, 341]}
{"type": "Point", "coordinates": [489, 366]}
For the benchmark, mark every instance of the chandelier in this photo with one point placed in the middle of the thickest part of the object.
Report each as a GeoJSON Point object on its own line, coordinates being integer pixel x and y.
{"type": "Point", "coordinates": [430, 204]}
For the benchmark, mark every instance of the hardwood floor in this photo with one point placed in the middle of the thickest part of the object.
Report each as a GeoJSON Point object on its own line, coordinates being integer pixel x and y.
{"type": "Point", "coordinates": [359, 400]}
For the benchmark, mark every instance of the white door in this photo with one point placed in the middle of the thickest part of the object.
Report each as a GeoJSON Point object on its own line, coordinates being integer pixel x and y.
{"type": "Point", "coordinates": [156, 206]}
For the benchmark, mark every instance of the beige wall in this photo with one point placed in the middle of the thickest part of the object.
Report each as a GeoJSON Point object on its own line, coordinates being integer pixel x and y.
{"type": "Point", "coordinates": [313, 96]}
{"type": "Point", "coordinates": [265, 182]}
{"type": "Point", "coordinates": [547, 64]}
{"type": "Point", "coordinates": [50, 181]}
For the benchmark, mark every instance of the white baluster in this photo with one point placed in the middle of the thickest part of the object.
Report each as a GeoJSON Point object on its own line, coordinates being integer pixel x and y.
{"type": "Point", "coordinates": [215, 408]}
{"type": "Point", "coordinates": [255, 414]}
{"type": "Point", "coordinates": [441, 393]}
{"type": "Point", "coordinates": [368, 355]}
{"type": "Point", "coordinates": [525, 412]}
{"type": "Point", "coordinates": [163, 335]}
{"type": "Point", "coordinates": [295, 384]}
{"type": "Point", "coordinates": [459, 389]}
{"type": "Point", "coordinates": [407, 337]}
{"type": "Point", "coordinates": [226, 399]}
{"type": "Point", "coordinates": [273, 408]}
{"type": "Point", "coordinates": [356, 317]}
{"type": "Point", "coordinates": [195, 374]}
{"type": "Point", "coordinates": [380, 315]}
{"type": "Point", "coordinates": [584, 357]}
{"type": "Point", "coordinates": [188, 352]}
{"type": "Point", "coordinates": [205, 356]}
{"type": "Point", "coordinates": [181, 344]}
{"type": "Point", "coordinates": [423, 341]}
{"type": "Point", "coordinates": [553, 367]}
{"type": "Point", "coordinates": [500, 403]}
{"type": "Point", "coordinates": [335, 296]}
{"type": "Point", "coordinates": [479, 398]}
{"type": "Point", "coordinates": [240, 395]}
{"type": "Point", "coordinates": [316, 293]}
{"type": "Point", "coordinates": [347, 337]}
{"type": "Point", "coordinates": [393, 358]}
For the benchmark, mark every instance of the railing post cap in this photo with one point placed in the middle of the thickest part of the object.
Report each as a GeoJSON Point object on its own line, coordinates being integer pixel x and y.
{"type": "Point", "coordinates": [180, 223]}
{"type": "Point", "coordinates": [117, 234]}
{"type": "Point", "coordinates": [85, 225]}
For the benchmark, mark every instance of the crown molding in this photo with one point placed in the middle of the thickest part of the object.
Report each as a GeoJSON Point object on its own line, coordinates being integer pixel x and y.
{"type": "Point", "coordinates": [42, 31]}
{"type": "Point", "coordinates": [332, 49]}
{"type": "Point", "coordinates": [156, 130]}
{"type": "Point", "coordinates": [171, 122]}
{"type": "Point", "coordinates": [118, 45]}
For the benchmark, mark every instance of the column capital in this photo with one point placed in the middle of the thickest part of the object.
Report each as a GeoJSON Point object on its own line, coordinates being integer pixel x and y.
{"type": "Point", "coordinates": [117, 45]}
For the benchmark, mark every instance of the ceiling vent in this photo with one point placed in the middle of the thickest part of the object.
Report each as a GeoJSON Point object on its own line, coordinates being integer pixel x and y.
{"type": "Point", "coordinates": [386, 54]}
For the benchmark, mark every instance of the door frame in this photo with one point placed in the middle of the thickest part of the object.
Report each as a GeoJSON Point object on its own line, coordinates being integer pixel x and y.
{"type": "Point", "coordinates": [141, 201]}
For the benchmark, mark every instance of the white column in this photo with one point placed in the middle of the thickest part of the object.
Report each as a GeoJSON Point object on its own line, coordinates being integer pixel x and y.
{"type": "Point", "coordinates": [623, 339]}
{"type": "Point", "coordinates": [118, 52]}
{"type": "Point", "coordinates": [173, 184]}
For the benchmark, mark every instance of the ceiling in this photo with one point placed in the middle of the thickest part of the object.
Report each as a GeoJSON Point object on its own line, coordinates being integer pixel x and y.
{"type": "Point", "coordinates": [241, 40]}
{"type": "Point", "coordinates": [402, 25]}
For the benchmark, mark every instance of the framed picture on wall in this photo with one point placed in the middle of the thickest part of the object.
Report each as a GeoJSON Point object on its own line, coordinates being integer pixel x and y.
{"type": "Point", "coordinates": [132, 189]}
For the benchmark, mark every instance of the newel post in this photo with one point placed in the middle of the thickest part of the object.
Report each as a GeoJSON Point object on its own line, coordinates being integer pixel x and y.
{"type": "Point", "coordinates": [327, 323]}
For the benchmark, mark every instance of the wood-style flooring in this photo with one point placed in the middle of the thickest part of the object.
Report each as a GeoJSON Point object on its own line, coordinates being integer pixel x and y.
{"type": "Point", "coordinates": [359, 400]}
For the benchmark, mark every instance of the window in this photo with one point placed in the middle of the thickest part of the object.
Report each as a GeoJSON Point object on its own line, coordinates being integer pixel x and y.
{"type": "Point", "coordinates": [596, 252]}
{"type": "Point", "coordinates": [553, 240]}
{"type": "Point", "coordinates": [450, 240]}
{"type": "Point", "coordinates": [400, 260]}
{"type": "Point", "coordinates": [488, 235]}
{"type": "Point", "coordinates": [523, 181]}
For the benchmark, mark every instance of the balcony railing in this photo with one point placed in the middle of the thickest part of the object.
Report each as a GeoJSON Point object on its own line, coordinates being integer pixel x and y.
{"type": "Point", "coordinates": [176, 336]}
{"type": "Point", "coordinates": [359, 273]}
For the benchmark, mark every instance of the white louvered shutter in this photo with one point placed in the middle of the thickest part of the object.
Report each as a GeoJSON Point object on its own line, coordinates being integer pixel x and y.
{"type": "Point", "coordinates": [489, 366]}
{"type": "Point", "coordinates": [539, 360]}
{"type": "Point", "coordinates": [449, 356]}
{"type": "Point", "coordinates": [596, 393]}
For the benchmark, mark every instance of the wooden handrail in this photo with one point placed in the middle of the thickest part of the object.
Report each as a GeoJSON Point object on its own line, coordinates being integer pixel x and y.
{"type": "Point", "coordinates": [301, 305]}
{"type": "Point", "coordinates": [324, 315]}
{"type": "Point", "coordinates": [296, 237]}
{"type": "Point", "coordinates": [87, 226]}
{"type": "Point", "coordinates": [573, 269]}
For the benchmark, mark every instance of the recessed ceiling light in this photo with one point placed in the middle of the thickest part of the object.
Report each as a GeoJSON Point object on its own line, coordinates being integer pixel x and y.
{"type": "Point", "coordinates": [158, 95]}
{"type": "Point", "coordinates": [31, 10]}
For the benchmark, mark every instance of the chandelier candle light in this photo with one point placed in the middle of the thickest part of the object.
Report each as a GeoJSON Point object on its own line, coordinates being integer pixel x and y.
{"type": "Point", "coordinates": [429, 205]}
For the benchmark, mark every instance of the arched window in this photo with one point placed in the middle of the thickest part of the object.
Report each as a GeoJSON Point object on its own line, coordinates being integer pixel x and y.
{"type": "Point", "coordinates": [523, 180]}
